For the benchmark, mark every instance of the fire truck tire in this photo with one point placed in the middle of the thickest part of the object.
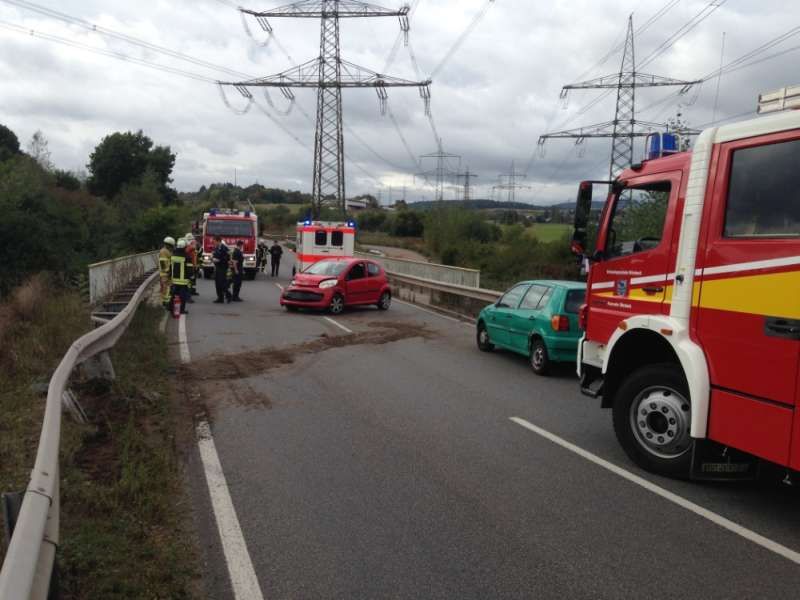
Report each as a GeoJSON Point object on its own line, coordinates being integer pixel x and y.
{"type": "Point", "coordinates": [652, 417]}
{"type": "Point", "coordinates": [336, 306]}
{"type": "Point", "coordinates": [208, 273]}
{"type": "Point", "coordinates": [250, 274]}
{"type": "Point", "coordinates": [539, 360]}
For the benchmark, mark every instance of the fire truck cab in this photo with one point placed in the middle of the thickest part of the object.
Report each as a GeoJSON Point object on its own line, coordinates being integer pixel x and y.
{"type": "Point", "coordinates": [231, 226]}
{"type": "Point", "coordinates": [692, 321]}
{"type": "Point", "coordinates": [317, 240]}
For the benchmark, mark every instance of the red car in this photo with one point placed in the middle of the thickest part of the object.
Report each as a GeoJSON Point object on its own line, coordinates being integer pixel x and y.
{"type": "Point", "coordinates": [335, 283]}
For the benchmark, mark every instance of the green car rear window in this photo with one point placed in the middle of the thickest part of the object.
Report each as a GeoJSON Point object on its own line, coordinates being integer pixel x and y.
{"type": "Point", "coordinates": [575, 298]}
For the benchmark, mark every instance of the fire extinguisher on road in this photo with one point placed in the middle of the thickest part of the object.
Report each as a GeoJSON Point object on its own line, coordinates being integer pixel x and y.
{"type": "Point", "coordinates": [176, 306]}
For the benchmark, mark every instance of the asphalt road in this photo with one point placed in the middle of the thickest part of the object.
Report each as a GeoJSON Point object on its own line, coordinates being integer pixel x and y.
{"type": "Point", "coordinates": [365, 468]}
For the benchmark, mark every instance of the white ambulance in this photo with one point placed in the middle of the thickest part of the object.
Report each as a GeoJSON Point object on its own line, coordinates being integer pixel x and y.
{"type": "Point", "coordinates": [318, 240]}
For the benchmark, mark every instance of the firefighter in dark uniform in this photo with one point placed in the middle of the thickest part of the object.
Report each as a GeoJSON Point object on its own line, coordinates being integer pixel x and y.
{"type": "Point", "coordinates": [275, 252]}
{"type": "Point", "coordinates": [180, 277]}
{"type": "Point", "coordinates": [221, 259]}
{"type": "Point", "coordinates": [237, 265]}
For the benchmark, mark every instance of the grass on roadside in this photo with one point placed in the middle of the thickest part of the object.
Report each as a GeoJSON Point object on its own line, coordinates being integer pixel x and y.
{"type": "Point", "coordinates": [377, 238]}
{"type": "Point", "coordinates": [123, 530]}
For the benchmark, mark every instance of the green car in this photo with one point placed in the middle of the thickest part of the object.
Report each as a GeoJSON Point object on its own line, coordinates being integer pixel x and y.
{"type": "Point", "coordinates": [538, 319]}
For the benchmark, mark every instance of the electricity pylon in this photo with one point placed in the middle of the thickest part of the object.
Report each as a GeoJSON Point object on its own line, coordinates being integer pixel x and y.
{"type": "Point", "coordinates": [508, 182]}
{"type": "Point", "coordinates": [625, 128]}
{"type": "Point", "coordinates": [467, 177]}
{"type": "Point", "coordinates": [442, 172]}
{"type": "Point", "coordinates": [329, 74]}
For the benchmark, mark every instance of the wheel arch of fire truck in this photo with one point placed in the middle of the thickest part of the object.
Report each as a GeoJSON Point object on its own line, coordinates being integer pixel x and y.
{"type": "Point", "coordinates": [666, 345]}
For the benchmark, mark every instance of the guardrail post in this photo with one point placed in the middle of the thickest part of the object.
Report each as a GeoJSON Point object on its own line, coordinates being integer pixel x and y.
{"type": "Point", "coordinates": [99, 367]}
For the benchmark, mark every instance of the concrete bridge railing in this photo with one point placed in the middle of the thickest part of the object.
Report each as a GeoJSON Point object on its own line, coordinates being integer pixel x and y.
{"type": "Point", "coordinates": [458, 276]}
{"type": "Point", "coordinates": [110, 276]}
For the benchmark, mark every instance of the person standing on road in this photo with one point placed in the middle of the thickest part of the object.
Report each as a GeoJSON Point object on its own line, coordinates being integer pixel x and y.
{"type": "Point", "coordinates": [164, 258]}
{"type": "Point", "coordinates": [261, 256]}
{"type": "Point", "coordinates": [193, 260]}
{"type": "Point", "coordinates": [275, 253]}
{"type": "Point", "coordinates": [179, 274]}
{"type": "Point", "coordinates": [221, 259]}
{"type": "Point", "coordinates": [238, 270]}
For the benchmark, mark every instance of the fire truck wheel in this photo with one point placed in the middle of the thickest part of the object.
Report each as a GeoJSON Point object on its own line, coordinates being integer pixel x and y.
{"type": "Point", "coordinates": [208, 273]}
{"type": "Point", "coordinates": [385, 301]}
{"type": "Point", "coordinates": [540, 362]}
{"type": "Point", "coordinates": [652, 418]}
{"type": "Point", "coordinates": [482, 337]}
{"type": "Point", "coordinates": [337, 304]}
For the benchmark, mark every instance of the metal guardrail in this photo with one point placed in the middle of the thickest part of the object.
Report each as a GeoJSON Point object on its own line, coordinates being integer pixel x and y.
{"type": "Point", "coordinates": [463, 300]}
{"type": "Point", "coordinates": [434, 272]}
{"type": "Point", "coordinates": [28, 565]}
{"type": "Point", "coordinates": [108, 276]}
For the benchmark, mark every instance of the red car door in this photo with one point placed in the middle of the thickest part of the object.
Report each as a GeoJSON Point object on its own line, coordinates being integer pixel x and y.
{"type": "Point", "coordinates": [357, 284]}
{"type": "Point", "coordinates": [748, 307]}
{"type": "Point", "coordinates": [376, 279]}
{"type": "Point", "coordinates": [637, 252]}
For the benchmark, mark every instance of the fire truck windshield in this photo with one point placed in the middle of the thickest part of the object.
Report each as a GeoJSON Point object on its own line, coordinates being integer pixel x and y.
{"type": "Point", "coordinates": [229, 228]}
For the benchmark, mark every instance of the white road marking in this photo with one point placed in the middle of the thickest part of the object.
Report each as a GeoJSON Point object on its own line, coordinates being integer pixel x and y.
{"type": "Point", "coordinates": [339, 325]}
{"type": "Point", "coordinates": [280, 287]}
{"type": "Point", "coordinates": [183, 344]}
{"type": "Point", "coordinates": [162, 326]}
{"type": "Point", "coordinates": [748, 534]}
{"type": "Point", "coordinates": [430, 312]}
{"type": "Point", "coordinates": [240, 566]}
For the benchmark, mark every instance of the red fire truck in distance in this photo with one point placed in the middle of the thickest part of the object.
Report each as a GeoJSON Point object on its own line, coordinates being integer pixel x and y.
{"type": "Point", "coordinates": [231, 225]}
{"type": "Point", "coordinates": [692, 321]}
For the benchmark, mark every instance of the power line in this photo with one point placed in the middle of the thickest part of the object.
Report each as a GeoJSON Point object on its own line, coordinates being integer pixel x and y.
{"type": "Point", "coordinates": [43, 10]}
{"type": "Point", "coordinates": [110, 53]}
{"type": "Point", "coordinates": [461, 38]}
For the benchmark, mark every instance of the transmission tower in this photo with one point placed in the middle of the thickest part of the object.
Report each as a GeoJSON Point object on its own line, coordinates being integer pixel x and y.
{"type": "Point", "coordinates": [442, 172]}
{"type": "Point", "coordinates": [508, 182]}
{"type": "Point", "coordinates": [625, 128]}
{"type": "Point", "coordinates": [467, 177]}
{"type": "Point", "coordinates": [328, 73]}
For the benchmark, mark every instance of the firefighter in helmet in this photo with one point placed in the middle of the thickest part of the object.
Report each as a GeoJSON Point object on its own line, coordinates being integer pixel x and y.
{"type": "Point", "coordinates": [192, 261]}
{"type": "Point", "coordinates": [180, 275]}
{"type": "Point", "coordinates": [164, 260]}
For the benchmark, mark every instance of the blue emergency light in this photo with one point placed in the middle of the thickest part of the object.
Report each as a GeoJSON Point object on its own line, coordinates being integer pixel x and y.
{"type": "Point", "coordinates": [662, 144]}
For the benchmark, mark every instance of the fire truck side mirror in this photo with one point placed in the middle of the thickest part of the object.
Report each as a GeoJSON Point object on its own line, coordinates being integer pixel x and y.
{"type": "Point", "coordinates": [583, 210]}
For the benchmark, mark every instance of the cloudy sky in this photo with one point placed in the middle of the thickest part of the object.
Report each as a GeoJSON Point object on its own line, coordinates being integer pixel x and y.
{"type": "Point", "coordinates": [491, 101]}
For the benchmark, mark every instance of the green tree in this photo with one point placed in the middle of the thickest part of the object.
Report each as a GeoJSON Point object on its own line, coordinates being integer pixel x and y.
{"type": "Point", "coordinates": [67, 180]}
{"type": "Point", "coordinates": [9, 143]}
{"type": "Point", "coordinates": [407, 223]}
{"type": "Point", "coordinates": [150, 227]}
{"type": "Point", "coordinates": [39, 151]}
{"type": "Point", "coordinates": [123, 159]}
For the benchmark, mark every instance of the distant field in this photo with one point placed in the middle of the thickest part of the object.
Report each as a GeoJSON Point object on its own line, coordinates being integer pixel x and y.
{"type": "Point", "coordinates": [549, 232]}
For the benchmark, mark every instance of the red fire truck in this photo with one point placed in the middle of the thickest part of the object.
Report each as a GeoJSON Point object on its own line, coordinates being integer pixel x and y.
{"type": "Point", "coordinates": [231, 225]}
{"type": "Point", "coordinates": [692, 321]}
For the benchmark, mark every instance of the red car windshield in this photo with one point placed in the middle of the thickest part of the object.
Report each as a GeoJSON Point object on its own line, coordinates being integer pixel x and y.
{"type": "Point", "coordinates": [327, 267]}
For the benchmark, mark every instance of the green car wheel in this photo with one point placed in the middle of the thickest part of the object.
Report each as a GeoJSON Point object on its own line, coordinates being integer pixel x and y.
{"type": "Point", "coordinates": [540, 362]}
{"type": "Point", "coordinates": [484, 345]}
